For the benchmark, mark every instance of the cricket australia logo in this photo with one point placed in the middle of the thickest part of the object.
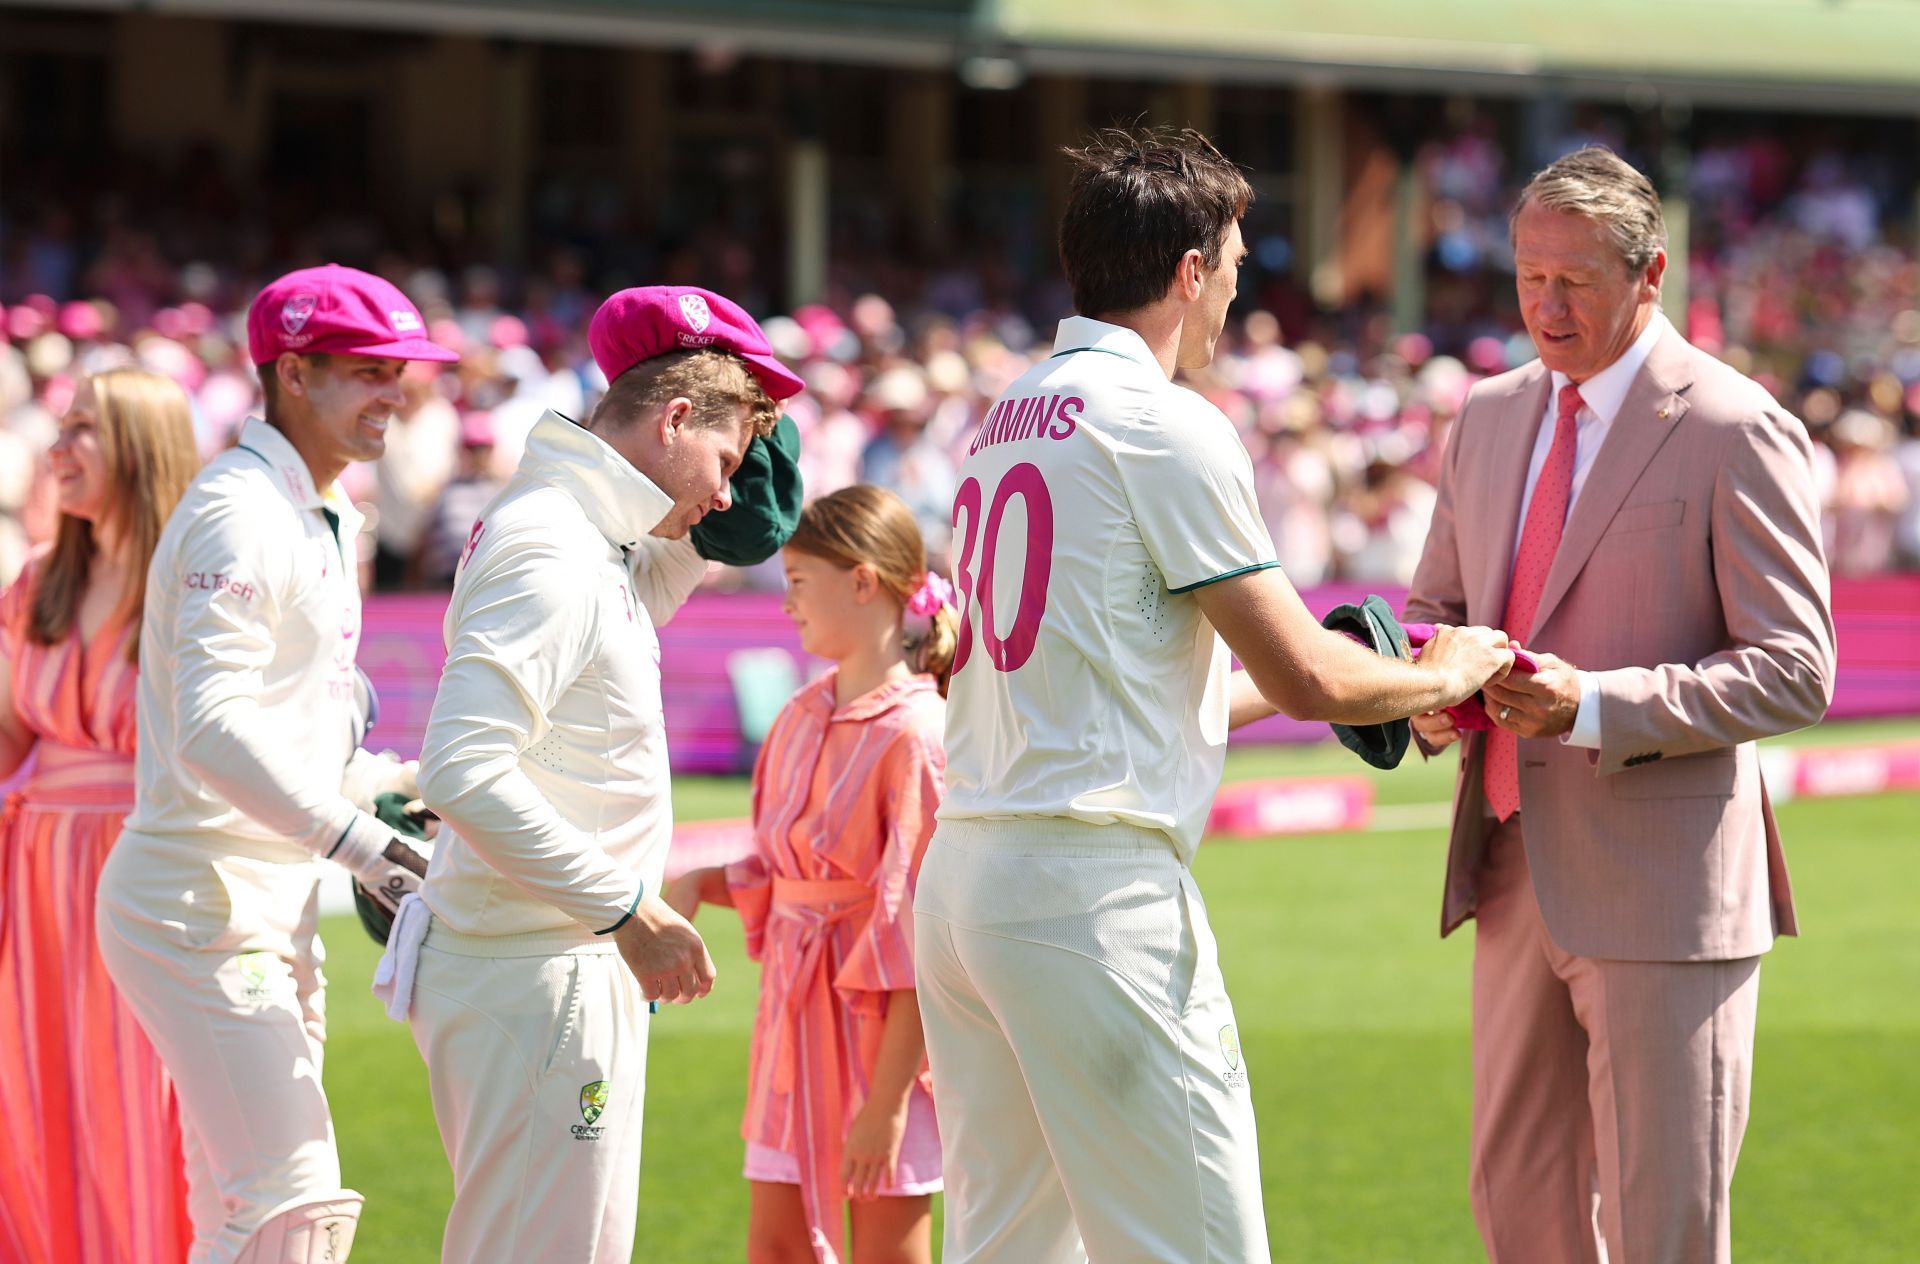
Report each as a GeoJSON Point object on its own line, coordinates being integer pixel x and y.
{"type": "Point", "coordinates": [253, 969]}
{"type": "Point", "coordinates": [295, 311]}
{"type": "Point", "coordinates": [593, 1104]}
{"type": "Point", "coordinates": [1230, 1050]}
{"type": "Point", "coordinates": [698, 314]}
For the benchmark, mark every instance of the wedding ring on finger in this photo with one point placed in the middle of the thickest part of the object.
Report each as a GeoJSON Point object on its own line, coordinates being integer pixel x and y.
{"type": "Point", "coordinates": [1504, 713]}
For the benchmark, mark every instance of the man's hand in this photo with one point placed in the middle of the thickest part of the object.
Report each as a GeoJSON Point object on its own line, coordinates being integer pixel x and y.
{"type": "Point", "coordinates": [368, 776]}
{"type": "Point", "coordinates": [873, 1148]}
{"type": "Point", "coordinates": [1435, 729]}
{"type": "Point", "coordinates": [665, 953]}
{"type": "Point", "coordinates": [393, 876]}
{"type": "Point", "coordinates": [1470, 659]}
{"type": "Point", "coordinates": [1541, 705]}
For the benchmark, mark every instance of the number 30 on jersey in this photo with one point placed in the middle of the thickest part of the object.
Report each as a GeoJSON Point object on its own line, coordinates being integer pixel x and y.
{"type": "Point", "coordinates": [1008, 653]}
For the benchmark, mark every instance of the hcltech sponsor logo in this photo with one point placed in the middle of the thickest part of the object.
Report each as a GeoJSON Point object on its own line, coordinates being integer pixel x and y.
{"type": "Point", "coordinates": [593, 1103]}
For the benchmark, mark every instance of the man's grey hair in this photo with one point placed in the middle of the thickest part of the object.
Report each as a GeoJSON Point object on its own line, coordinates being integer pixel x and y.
{"type": "Point", "coordinates": [1599, 184]}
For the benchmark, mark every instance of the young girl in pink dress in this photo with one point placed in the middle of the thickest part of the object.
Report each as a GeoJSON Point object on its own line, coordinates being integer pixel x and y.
{"type": "Point", "coordinates": [844, 793]}
{"type": "Point", "coordinates": [90, 1161]}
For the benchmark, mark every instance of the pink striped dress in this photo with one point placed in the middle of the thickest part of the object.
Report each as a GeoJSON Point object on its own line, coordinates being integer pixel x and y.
{"type": "Point", "coordinates": [843, 804]}
{"type": "Point", "coordinates": [90, 1161]}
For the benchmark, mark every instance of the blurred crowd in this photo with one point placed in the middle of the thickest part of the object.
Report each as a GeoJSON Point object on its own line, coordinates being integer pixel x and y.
{"type": "Point", "coordinates": [1792, 279]}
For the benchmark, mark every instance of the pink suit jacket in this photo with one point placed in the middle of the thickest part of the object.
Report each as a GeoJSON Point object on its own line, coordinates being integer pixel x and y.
{"type": "Point", "coordinates": [1690, 578]}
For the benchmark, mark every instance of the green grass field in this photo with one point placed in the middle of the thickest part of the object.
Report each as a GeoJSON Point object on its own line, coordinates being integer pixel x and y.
{"type": "Point", "coordinates": [1353, 1016]}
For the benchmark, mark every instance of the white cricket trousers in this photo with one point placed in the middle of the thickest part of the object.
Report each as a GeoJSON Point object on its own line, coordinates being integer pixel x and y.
{"type": "Point", "coordinates": [1087, 1072]}
{"type": "Point", "coordinates": [536, 1047]}
{"type": "Point", "coordinates": [219, 957]}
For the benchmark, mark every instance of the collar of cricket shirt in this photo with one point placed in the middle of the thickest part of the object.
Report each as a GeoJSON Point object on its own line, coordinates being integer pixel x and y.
{"type": "Point", "coordinates": [1083, 333]}
{"type": "Point", "coordinates": [620, 501]}
{"type": "Point", "coordinates": [291, 474]}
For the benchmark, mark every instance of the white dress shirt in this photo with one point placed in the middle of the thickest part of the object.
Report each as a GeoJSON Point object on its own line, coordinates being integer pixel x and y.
{"type": "Point", "coordinates": [1601, 397]}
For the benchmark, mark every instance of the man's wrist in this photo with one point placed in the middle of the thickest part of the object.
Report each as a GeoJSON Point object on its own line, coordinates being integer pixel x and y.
{"type": "Point", "coordinates": [361, 844]}
{"type": "Point", "coordinates": [1449, 687]}
{"type": "Point", "coordinates": [626, 917]}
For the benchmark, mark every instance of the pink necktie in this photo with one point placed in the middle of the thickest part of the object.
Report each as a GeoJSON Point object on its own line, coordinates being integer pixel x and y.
{"type": "Point", "coordinates": [1539, 538]}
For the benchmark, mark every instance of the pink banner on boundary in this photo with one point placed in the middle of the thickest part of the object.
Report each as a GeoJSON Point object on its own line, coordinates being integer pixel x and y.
{"type": "Point", "coordinates": [1821, 772]}
{"type": "Point", "coordinates": [1291, 805]}
{"type": "Point", "coordinates": [1878, 621]}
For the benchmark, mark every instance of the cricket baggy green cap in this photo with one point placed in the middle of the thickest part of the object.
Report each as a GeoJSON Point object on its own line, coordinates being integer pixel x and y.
{"type": "Point", "coordinates": [1372, 623]}
{"type": "Point", "coordinates": [766, 502]}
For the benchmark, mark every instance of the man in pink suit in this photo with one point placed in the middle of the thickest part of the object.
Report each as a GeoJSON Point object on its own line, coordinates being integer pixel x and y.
{"type": "Point", "coordinates": [1643, 519]}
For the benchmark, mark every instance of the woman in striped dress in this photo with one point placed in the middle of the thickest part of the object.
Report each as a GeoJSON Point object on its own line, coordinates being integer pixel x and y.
{"type": "Point", "coordinates": [844, 794]}
{"type": "Point", "coordinates": [90, 1161]}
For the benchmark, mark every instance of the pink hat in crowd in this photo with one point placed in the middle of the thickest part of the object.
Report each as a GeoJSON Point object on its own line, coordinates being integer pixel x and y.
{"type": "Point", "coordinates": [338, 311]}
{"type": "Point", "coordinates": [476, 429]}
{"type": "Point", "coordinates": [652, 320]}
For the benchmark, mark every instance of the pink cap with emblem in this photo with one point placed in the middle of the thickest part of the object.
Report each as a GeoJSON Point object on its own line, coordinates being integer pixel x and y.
{"type": "Point", "coordinates": [652, 320]}
{"type": "Point", "coordinates": [338, 311]}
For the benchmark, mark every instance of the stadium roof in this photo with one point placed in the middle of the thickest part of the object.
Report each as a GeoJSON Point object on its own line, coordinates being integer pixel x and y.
{"type": "Point", "coordinates": [1835, 53]}
{"type": "Point", "coordinates": [1847, 51]}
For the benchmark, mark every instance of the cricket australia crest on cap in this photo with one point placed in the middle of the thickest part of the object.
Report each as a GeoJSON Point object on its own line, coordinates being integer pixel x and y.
{"type": "Point", "coordinates": [404, 322]}
{"type": "Point", "coordinates": [698, 314]}
{"type": "Point", "coordinates": [295, 312]}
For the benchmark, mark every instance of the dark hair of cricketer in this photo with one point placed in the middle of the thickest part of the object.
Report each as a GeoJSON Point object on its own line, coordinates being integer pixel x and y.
{"type": "Point", "coordinates": [270, 381]}
{"type": "Point", "coordinates": [1140, 198]}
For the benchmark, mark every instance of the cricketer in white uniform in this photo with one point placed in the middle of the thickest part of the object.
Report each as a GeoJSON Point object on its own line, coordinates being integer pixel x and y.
{"type": "Point", "coordinates": [1091, 1086]}
{"type": "Point", "coordinates": [209, 903]}
{"type": "Point", "coordinates": [546, 758]}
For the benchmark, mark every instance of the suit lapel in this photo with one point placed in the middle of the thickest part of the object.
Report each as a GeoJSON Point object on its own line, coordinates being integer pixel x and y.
{"type": "Point", "coordinates": [1653, 407]}
{"type": "Point", "coordinates": [1512, 451]}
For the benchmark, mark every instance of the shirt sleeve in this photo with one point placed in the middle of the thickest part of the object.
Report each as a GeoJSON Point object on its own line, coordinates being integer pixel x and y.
{"type": "Point", "coordinates": [221, 646]}
{"type": "Point", "coordinates": [1189, 482]}
{"type": "Point", "coordinates": [16, 600]}
{"type": "Point", "coordinates": [525, 627]}
{"type": "Point", "coordinates": [750, 884]}
{"type": "Point", "coordinates": [664, 574]}
{"type": "Point", "coordinates": [1586, 719]}
{"type": "Point", "coordinates": [750, 878]}
{"type": "Point", "coordinates": [912, 778]}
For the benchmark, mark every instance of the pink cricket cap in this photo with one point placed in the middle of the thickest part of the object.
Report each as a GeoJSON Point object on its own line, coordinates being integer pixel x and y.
{"type": "Point", "coordinates": [338, 311]}
{"type": "Point", "coordinates": [652, 320]}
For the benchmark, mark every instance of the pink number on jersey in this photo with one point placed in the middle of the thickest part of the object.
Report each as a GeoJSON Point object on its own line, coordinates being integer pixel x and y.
{"type": "Point", "coordinates": [1011, 652]}
{"type": "Point", "coordinates": [968, 498]}
{"type": "Point", "coordinates": [1023, 480]}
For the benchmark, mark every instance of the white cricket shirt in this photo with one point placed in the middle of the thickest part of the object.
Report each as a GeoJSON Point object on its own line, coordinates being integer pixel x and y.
{"type": "Point", "coordinates": [546, 752]}
{"type": "Point", "coordinates": [1094, 499]}
{"type": "Point", "coordinates": [252, 620]}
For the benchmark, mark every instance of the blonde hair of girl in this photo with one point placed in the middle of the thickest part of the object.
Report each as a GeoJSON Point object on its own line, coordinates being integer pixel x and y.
{"type": "Point", "coordinates": [145, 431]}
{"type": "Point", "coordinates": [869, 524]}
